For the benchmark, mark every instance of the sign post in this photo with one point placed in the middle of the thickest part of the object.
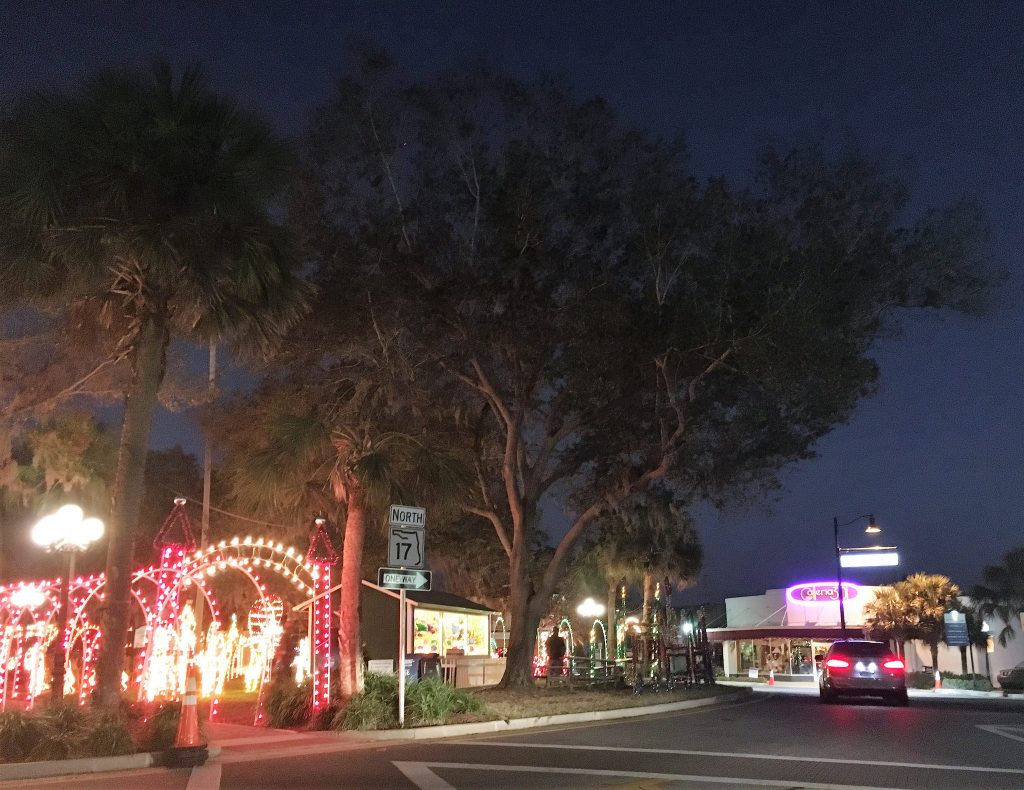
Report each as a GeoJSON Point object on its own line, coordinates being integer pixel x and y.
{"type": "Point", "coordinates": [401, 657]}
{"type": "Point", "coordinates": [406, 560]}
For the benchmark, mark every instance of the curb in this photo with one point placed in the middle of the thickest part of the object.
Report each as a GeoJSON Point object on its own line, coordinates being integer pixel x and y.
{"type": "Point", "coordinates": [503, 725]}
{"type": "Point", "coordinates": [84, 765]}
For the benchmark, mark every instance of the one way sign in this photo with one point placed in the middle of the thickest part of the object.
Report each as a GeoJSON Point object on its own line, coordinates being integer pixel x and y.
{"type": "Point", "coordinates": [394, 579]}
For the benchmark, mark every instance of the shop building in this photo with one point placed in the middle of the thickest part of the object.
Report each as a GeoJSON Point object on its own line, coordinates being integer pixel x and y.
{"type": "Point", "coordinates": [783, 630]}
{"type": "Point", "coordinates": [453, 628]}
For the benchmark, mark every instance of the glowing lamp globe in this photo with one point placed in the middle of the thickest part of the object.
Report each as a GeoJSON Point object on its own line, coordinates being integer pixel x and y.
{"type": "Point", "coordinates": [91, 530]}
{"type": "Point", "coordinates": [67, 530]}
{"type": "Point", "coordinates": [590, 608]}
{"type": "Point", "coordinates": [46, 532]}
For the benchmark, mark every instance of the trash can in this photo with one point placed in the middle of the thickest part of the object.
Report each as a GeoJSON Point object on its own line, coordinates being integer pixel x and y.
{"type": "Point", "coordinates": [430, 666]}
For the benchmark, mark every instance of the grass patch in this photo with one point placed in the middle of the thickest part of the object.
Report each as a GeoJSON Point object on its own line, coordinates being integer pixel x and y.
{"type": "Point", "coordinates": [432, 702]}
{"type": "Point", "coordinates": [522, 704]}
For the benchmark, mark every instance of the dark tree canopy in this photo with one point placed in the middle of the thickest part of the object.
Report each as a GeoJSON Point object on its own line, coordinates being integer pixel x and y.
{"type": "Point", "coordinates": [599, 317]}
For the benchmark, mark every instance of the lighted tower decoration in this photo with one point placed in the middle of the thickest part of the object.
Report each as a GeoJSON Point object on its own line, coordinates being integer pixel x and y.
{"type": "Point", "coordinates": [160, 664]}
{"type": "Point", "coordinates": [321, 556]}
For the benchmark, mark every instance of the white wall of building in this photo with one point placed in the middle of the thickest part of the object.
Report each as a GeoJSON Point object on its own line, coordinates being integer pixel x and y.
{"type": "Point", "coordinates": [774, 608]}
{"type": "Point", "coordinates": [751, 611]}
{"type": "Point", "coordinates": [919, 654]}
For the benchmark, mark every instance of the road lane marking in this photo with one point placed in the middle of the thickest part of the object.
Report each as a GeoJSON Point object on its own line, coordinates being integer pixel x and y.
{"type": "Point", "coordinates": [1015, 734]}
{"type": "Point", "coordinates": [741, 755]}
{"type": "Point", "coordinates": [205, 777]}
{"type": "Point", "coordinates": [421, 776]}
{"type": "Point", "coordinates": [420, 770]}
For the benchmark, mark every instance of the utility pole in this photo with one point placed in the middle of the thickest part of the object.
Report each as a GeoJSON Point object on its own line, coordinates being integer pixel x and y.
{"type": "Point", "coordinates": [204, 534]}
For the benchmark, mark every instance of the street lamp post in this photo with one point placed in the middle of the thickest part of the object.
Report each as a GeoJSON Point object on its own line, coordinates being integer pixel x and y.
{"type": "Point", "coordinates": [871, 529]}
{"type": "Point", "coordinates": [988, 667]}
{"type": "Point", "coordinates": [67, 532]}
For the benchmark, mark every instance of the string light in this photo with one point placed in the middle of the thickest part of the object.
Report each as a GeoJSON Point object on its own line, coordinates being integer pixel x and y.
{"type": "Point", "coordinates": [171, 639]}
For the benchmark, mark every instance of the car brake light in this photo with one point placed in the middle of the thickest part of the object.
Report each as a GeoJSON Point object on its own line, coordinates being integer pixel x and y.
{"type": "Point", "coordinates": [837, 663]}
{"type": "Point", "coordinates": [894, 663]}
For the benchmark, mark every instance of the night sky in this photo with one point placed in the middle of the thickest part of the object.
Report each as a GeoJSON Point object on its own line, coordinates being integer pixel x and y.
{"type": "Point", "coordinates": [934, 90]}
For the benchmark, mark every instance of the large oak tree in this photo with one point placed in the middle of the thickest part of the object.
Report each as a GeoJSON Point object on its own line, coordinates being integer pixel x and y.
{"type": "Point", "coordinates": [611, 320]}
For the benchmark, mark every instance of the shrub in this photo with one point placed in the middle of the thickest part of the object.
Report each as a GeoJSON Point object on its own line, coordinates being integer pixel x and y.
{"type": "Point", "coordinates": [289, 704]}
{"type": "Point", "coordinates": [161, 727]}
{"type": "Point", "coordinates": [19, 734]}
{"type": "Point", "coordinates": [970, 682]}
{"type": "Point", "coordinates": [373, 708]}
{"type": "Point", "coordinates": [63, 732]}
{"type": "Point", "coordinates": [434, 702]}
{"type": "Point", "coordinates": [428, 701]}
{"type": "Point", "coordinates": [109, 734]}
{"type": "Point", "coordinates": [950, 680]}
{"type": "Point", "coordinates": [324, 719]}
{"type": "Point", "coordinates": [380, 685]}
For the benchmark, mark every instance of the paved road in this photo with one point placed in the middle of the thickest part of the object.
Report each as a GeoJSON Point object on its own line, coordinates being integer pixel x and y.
{"type": "Point", "coordinates": [769, 741]}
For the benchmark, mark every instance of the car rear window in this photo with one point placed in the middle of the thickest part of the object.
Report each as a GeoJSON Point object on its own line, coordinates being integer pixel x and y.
{"type": "Point", "coordinates": [862, 649]}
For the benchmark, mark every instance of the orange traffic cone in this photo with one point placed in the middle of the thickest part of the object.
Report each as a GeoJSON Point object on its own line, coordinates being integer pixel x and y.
{"type": "Point", "coordinates": [938, 681]}
{"type": "Point", "coordinates": [189, 749]}
{"type": "Point", "coordinates": [771, 677]}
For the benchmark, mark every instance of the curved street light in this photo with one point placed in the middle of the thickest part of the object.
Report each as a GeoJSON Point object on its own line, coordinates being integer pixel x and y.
{"type": "Point", "coordinates": [67, 531]}
{"type": "Point", "coordinates": [871, 529]}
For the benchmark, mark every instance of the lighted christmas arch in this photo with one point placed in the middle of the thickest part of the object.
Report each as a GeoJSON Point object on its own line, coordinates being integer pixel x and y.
{"type": "Point", "coordinates": [28, 612]}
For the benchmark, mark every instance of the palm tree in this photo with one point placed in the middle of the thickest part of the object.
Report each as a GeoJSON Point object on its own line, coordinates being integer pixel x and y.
{"type": "Point", "coordinates": [1002, 592]}
{"type": "Point", "coordinates": [927, 597]}
{"type": "Point", "coordinates": [144, 201]}
{"type": "Point", "coordinates": [310, 450]}
{"type": "Point", "coordinates": [645, 540]}
{"type": "Point", "coordinates": [887, 617]}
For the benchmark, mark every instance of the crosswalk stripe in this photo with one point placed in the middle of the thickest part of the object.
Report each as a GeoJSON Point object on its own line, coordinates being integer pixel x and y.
{"type": "Point", "coordinates": [420, 770]}
{"type": "Point", "coordinates": [739, 755]}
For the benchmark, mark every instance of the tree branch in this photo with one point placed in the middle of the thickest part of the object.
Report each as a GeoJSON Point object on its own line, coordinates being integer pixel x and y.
{"type": "Point", "coordinates": [70, 390]}
{"type": "Point", "coordinates": [499, 528]}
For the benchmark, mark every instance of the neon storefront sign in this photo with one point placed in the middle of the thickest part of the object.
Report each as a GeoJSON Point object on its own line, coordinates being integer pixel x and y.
{"type": "Point", "coordinates": [821, 592]}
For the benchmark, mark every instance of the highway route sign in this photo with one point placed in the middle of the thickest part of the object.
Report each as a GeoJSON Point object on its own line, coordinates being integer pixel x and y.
{"type": "Point", "coordinates": [407, 547]}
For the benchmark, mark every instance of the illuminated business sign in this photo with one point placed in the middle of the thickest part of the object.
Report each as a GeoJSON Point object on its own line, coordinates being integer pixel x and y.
{"type": "Point", "coordinates": [821, 592]}
{"type": "Point", "coordinates": [870, 559]}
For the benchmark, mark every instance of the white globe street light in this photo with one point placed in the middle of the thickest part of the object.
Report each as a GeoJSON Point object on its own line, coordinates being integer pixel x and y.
{"type": "Point", "coordinates": [66, 531]}
{"type": "Point", "coordinates": [590, 608]}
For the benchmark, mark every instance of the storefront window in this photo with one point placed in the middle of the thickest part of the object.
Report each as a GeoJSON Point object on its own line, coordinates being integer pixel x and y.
{"type": "Point", "coordinates": [466, 633]}
{"type": "Point", "coordinates": [748, 656]}
{"type": "Point", "coordinates": [801, 658]}
{"type": "Point", "coordinates": [427, 631]}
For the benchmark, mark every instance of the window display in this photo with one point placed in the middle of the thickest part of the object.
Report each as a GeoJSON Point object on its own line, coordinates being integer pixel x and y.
{"type": "Point", "coordinates": [450, 632]}
{"type": "Point", "coordinates": [426, 631]}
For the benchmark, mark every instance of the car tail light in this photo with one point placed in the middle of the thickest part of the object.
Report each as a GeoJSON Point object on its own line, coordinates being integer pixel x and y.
{"type": "Point", "coordinates": [894, 663]}
{"type": "Point", "coordinates": [837, 663]}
